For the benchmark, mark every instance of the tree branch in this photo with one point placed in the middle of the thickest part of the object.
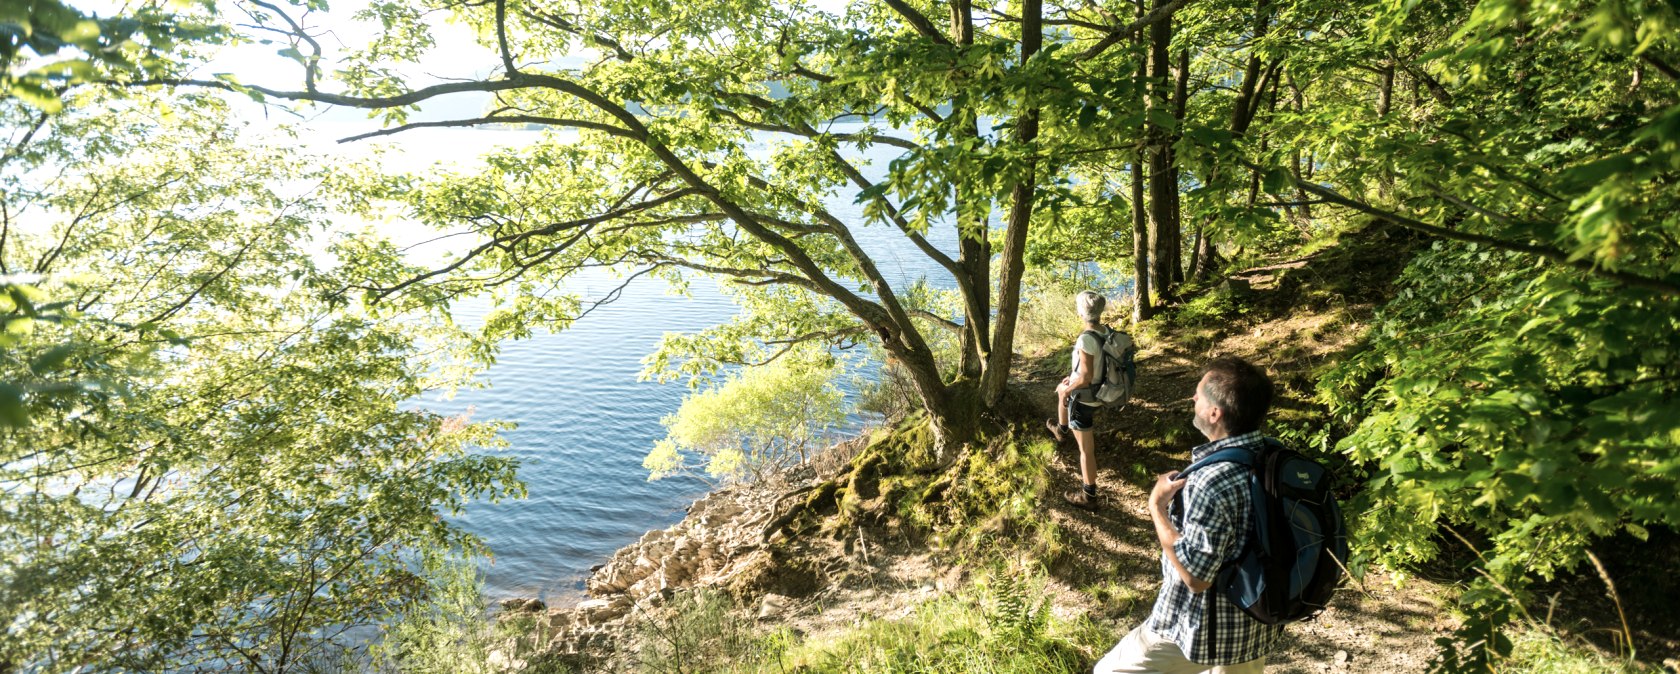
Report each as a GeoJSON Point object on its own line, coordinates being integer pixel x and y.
{"type": "Point", "coordinates": [18, 147]}
{"type": "Point", "coordinates": [502, 39]}
{"type": "Point", "coordinates": [734, 272]}
{"type": "Point", "coordinates": [1661, 66]}
{"type": "Point", "coordinates": [789, 343]}
{"type": "Point", "coordinates": [505, 242]}
{"type": "Point", "coordinates": [1554, 255]}
{"type": "Point", "coordinates": [312, 65]}
{"type": "Point", "coordinates": [1117, 34]}
{"type": "Point", "coordinates": [498, 119]}
{"type": "Point", "coordinates": [1433, 85]}
{"type": "Point", "coordinates": [941, 321]}
{"type": "Point", "coordinates": [921, 23]}
{"type": "Point", "coordinates": [808, 132]}
{"type": "Point", "coordinates": [362, 102]}
{"type": "Point", "coordinates": [557, 22]}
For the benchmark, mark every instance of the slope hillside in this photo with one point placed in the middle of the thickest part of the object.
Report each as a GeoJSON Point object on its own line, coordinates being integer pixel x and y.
{"type": "Point", "coordinates": [858, 561]}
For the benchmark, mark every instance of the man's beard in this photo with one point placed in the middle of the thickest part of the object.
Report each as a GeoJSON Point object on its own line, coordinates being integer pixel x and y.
{"type": "Point", "coordinates": [1202, 424]}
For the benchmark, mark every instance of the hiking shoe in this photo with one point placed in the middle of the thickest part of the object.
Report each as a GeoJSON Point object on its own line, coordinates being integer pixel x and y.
{"type": "Point", "coordinates": [1057, 431]}
{"type": "Point", "coordinates": [1078, 497]}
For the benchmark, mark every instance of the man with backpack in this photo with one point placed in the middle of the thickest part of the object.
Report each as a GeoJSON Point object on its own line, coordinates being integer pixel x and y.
{"type": "Point", "coordinates": [1101, 375]}
{"type": "Point", "coordinates": [1192, 629]}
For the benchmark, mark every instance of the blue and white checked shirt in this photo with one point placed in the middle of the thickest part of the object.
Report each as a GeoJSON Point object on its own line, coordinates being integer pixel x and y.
{"type": "Point", "coordinates": [1214, 521]}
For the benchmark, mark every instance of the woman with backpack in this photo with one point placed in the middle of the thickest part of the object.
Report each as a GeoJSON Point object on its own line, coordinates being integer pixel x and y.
{"type": "Point", "coordinates": [1075, 402]}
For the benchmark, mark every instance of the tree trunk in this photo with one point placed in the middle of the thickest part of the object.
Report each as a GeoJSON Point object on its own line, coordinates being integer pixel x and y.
{"type": "Point", "coordinates": [974, 247]}
{"type": "Point", "coordinates": [1162, 188]}
{"type": "Point", "coordinates": [1142, 309]}
{"type": "Point", "coordinates": [1015, 236]}
{"type": "Point", "coordinates": [1142, 306]}
{"type": "Point", "coordinates": [952, 423]}
{"type": "Point", "coordinates": [1181, 99]}
{"type": "Point", "coordinates": [1385, 94]}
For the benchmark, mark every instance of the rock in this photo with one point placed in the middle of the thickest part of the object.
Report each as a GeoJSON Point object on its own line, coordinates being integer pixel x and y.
{"type": "Point", "coordinates": [522, 605]}
{"type": "Point", "coordinates": [501, 660]}
{"type": "Point", "coordinates": [597, 611]}
{"type": "Point", "coordinates": [772, 606]}
{"type": "Point", "coordinates": [1341, 659]}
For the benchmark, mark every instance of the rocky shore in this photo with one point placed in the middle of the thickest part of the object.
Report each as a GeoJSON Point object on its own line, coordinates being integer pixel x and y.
{"type": "Point", "coordinates": [721, 544]}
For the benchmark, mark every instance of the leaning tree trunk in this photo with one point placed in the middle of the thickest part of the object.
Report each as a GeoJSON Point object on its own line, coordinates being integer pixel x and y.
{"type": "Point", "coordinates": [1205, 257]}
{"type": "Point", "coordinates": [1020, 214]}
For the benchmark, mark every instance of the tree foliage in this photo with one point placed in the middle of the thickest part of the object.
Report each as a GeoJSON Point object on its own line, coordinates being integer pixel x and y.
{"type": "Point", "coordinates": [1539, 142]}
{"type": "Point", "coordinates": [214, 465]}
{"type": "Point", "coordinates": [758, 420]}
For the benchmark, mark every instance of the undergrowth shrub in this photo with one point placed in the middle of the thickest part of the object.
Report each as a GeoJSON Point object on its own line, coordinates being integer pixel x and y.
{"type": "Point", "coordinates": [453, 634]}
{"type": "Point", "coordinates": [1001, 624]}
{"type": "Point", "coordinates": [1531, 408]}
{"type": "Point", "coordinates": [703, 631]}
{"type": "Point", "coordinates": [1534, 651]}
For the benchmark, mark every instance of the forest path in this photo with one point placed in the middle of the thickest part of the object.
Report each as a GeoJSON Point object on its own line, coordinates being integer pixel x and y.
{"type": "Point", "coordinates": [1110, 569]}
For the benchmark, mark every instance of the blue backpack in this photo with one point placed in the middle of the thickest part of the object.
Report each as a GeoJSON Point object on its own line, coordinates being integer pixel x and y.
{"type": "Point", "coordinates": [1293, 558]}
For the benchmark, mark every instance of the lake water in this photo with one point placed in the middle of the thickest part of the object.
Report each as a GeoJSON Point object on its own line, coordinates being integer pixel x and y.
{"type": "Point", "coordinates": [584, 420]}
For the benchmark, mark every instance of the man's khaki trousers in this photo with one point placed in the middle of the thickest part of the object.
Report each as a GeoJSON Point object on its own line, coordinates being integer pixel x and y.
{"type": "Point", "coordinates": [1142, 652]}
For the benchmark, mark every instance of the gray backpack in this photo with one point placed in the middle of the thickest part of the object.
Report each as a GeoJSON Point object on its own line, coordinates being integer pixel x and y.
{"type": "Point", "coordinates": [1116, 368]}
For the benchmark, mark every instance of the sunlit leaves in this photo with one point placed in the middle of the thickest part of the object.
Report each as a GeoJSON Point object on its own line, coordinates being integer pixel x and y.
{"type": "Point", "coordinates": [220, 463]}
{"type": "Point", "coordinates": [1538, 408]}
{"type": "Point", "coordinates": [754, 421]}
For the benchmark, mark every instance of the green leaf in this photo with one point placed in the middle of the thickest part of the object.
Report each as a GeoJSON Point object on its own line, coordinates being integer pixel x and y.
{"type": "Point", "coordinates": [1087, 116]}
{"type": "Point", "coordinates": [13, 412]}
{"type": "Point", "coordinates": [52, 359]}
{"type": "Point", "coordinates": [37, 96]}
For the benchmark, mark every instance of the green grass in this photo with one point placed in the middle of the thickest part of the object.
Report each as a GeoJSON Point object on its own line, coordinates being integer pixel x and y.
{"type": "Point", "coordinates": [1001, 624]}
{"type": "Point", "coordinates": [1536, 652]}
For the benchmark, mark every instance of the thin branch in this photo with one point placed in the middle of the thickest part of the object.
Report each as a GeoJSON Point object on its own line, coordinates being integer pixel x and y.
{"type": "Point", "coordinates": [499, 119]}
{"type": "Point", "coordinates": [1548, 253]}
{"type": "Point", "coordinates": [808, 132]}
{"type": "Point", "coordinates": [502, 39]}
{"type": "Point", "coordinates": [312, 65]}
{"type": "Point", "coordinates": [1491, 215]}
{"type": "Point", "coordinates": [1099, 27]}
{"type": "Point", "coordinates": [619, 52]}
{"type": "Point", "coordinates": [1116, 35]}
{"type": "Point", "coordinates": [614, 294]}
{"type": "Point", "coordinates": [789, 343]}
{"type": "Point", "coordinates": [1661, 66]}
{"type": "Point", "coordinates": [18, 147]}
{"type": "Point", "coordinates": [5, 231]}
{"type": "Point", "coordinates": [736, 274]}
{"type": "Point", "coordinates": [363, 102]}
{"type": "Point", "coordinates": [1433, 85]}
{"type": "Point", "coordinates": [582, 225]}
{"type": "Point", "coordinates": [941, 321]}
{"type": "Point", "coordinates": [178, 306]}
{"type": "Point", "coordinates": [1098, 8]}
{"type": "Point", "coordinates": [917, 21]}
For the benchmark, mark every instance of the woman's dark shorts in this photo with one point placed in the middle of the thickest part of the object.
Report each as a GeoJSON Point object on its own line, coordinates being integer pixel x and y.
{"type": "Point", "coordinates": [1080, 415]}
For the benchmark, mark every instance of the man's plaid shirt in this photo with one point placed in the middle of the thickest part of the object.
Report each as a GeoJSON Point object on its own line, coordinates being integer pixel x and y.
{"type": "Point", "coordinates": [1213, 523]}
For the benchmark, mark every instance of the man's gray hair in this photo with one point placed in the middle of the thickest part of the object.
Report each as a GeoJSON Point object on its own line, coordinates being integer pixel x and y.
{"type": "Point", "coordinates": [1091, 305]}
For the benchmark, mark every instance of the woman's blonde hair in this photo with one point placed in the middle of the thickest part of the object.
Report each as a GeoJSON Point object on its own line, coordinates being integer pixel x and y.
{"type": "Point", "coordinates": [1091, 305]}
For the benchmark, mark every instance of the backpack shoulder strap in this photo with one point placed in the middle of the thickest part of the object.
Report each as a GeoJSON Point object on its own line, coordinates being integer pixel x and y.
{"type": "Point", "coordinates": [1239, 455]}
{"type": "Point", "coordinates": [1096, 358]}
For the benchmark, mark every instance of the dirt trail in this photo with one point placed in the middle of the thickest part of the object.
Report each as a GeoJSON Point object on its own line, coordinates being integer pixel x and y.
{"type": "Point", "coordinates": [1112, 567]}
